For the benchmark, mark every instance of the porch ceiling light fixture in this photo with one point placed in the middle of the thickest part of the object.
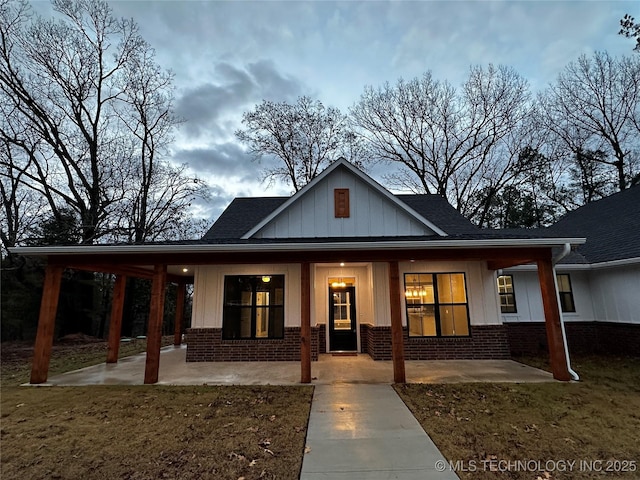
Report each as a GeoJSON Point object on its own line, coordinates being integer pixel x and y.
{"type": "Point", "coordinates": [185, 270]}
{"type": "Point", "coordinates": [266, 278]}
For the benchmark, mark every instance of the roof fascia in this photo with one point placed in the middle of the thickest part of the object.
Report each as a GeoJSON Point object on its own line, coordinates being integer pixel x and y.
{"type": "Point", "coordinates": [283, 247]}
{"type": "Point", "coordinates": [626, 262]}
{"type": "Point", "coordinates": [362, 176]}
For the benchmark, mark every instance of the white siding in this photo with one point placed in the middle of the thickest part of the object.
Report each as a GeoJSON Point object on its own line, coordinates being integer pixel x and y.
{"type": "Point", "coordinates": [208, 292]}
{"type": "Point", "coordinates": [615, 293]}
{"type": "Point", "coordinates": [372, 291]}
{"type": "Point", "coordinates": [381, 298]}
{"type": "Point", "coordinates": [529, 299]}
{"type": "Point", "coordinates": [371, 214]}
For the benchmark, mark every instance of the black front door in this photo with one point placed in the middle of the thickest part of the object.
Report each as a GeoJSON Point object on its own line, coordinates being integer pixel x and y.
{"type": "Point", "coordinates": [342, 319]}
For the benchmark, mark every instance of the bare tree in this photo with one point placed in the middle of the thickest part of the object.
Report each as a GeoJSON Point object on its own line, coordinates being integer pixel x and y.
{"type": "Point", "coordinates": [594, 106]}
{"type": "Point", "coordinates": [21, 206]}
{"type": "Point", "coordinates": [91, 112]}
{"type": "Point", "coordinates": [159, 195]}
{"type": "Point", "coordinates": [450, 142]}
{"type": "Point", "coordinates": [306, 137]}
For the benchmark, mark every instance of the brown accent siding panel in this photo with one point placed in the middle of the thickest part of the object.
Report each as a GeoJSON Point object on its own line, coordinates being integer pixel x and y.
{"type": "Point", "coordinates": [341, 202]}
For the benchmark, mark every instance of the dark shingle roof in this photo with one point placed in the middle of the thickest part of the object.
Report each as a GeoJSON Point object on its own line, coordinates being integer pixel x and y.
{"type": "Point", "coordinates": [611, 226]}
{"type": "Point", "coordinates": [242, 215]}
{"type": "Point", "coordinates": [439, 211]}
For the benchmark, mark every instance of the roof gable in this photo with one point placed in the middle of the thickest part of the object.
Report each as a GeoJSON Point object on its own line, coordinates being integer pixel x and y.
{"type": "Point", "coordinates": [374, 210]}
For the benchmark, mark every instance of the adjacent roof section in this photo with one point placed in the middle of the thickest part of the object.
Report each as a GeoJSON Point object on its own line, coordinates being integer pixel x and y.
{"type": "Point", "coordinates": [242, 215]}
{"type": "Point", "coordinates": [439, 211]}
{"type": "Point", "coordinates": [611, 226]}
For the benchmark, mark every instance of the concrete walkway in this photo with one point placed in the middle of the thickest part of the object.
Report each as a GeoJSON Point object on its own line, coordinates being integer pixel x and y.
{"type": "Point", "coordinates": [360, 369]}
{"type": "Point", "coordinates": [366, 432]}
{"type": "Point", "coordinates": [358, 428]}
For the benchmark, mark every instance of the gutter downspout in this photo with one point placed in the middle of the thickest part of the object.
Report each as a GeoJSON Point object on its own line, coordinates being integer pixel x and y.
{"type": "Point", "coordinates": [565, 251]}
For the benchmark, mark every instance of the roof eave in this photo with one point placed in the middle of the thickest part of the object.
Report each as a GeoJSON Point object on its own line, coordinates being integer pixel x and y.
{"type": "Point", "coordinates": [293, 246]}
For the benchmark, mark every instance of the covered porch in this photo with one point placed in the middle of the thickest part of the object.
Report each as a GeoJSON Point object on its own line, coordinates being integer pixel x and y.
{"type": "Point", "coordinates": [163, 263]}
{"type": "Point", "coordinates": [328, 370]}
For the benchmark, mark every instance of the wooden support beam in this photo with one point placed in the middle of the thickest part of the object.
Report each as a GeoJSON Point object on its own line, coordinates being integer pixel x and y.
{"type": "Point", "coordinates": [46, 323]}
{"type": "Point", "coordinates": [397, 336]}
{"type": "Point", "coordinates": [177, 331]}
{"type": "Point", "coordinates": [115, 324]}
{"type": "Point", "coordinates": [154, 329]}
{"type": "Point", "coordinates": [305, 323]}
{"type": "Point", "coordinates": [555, 338]}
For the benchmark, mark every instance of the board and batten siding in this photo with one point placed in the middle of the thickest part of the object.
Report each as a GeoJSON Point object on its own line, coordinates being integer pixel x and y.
{"type": "Point", "coordinates": [208, 291]}
{"type": "Point", "coordinates": [371, 214]}
{"type": "Point", "coordinates": [482, 297]}
{"type": "Point", "coordinates": [526, 286]}
{"type": "Point", "coordinates": [615, 293]}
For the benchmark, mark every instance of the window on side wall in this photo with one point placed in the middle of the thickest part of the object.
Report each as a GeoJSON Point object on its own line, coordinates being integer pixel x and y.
{"type": "Point", "coordinates": [253, 307]}
{"type": "Point", "coordinates": [437, 304]}
{"type": "Point", "coordinates": [507, 295]}
{"type": "Point", "coordinates": [565, 293]}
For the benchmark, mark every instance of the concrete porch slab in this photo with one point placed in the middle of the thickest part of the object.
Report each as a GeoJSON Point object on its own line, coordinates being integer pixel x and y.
{"type": "Point", "coordinates": [174, 370]}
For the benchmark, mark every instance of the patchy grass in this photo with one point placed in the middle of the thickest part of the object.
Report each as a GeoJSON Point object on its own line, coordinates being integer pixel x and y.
{"type": "Point", "coordinates": [594, 423]}
{"type": "Point", "coordinates": [146, 432]}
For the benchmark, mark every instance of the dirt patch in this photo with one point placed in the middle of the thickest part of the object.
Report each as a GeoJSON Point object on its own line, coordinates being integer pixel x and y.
{"type": "Point", "coordinates": [154, 432]}
{"type": "Point", "coordinates": [144, 432]}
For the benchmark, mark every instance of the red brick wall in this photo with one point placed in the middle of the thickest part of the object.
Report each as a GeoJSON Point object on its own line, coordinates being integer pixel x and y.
{"type": "Point", "coordinates": [322, 338]}
{"type": "Point", "coordinates": [207, 345]}
{"type": "Point", "coordinates": [485, 342]}
{"type": "Point", "coordinates": [530, 338]}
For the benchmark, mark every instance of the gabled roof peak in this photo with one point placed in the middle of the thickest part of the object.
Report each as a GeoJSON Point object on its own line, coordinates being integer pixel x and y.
{"type": "Point", "coordinates": [360, 175]}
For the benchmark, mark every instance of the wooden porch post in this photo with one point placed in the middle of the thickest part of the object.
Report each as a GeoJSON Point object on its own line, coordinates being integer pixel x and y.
{"type": "Point", "coordinates": [397, 337]}
{"type": "Point", "coordinates": [46, 323]}
{"type": "Point", "coordinates": [154, 330]}
{"type": "Point", "coordinates": [115, 324]}
{"type": "Point", "coordinates": [177, 332]}
{"type": "Point", "coordinates": [555, 338]}
{"type": "Point", "coordinates": [305, 322]}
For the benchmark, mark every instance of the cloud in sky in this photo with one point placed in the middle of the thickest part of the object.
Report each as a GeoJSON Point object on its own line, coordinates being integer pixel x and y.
{"type": "Point", "coordinates": [228, 56]}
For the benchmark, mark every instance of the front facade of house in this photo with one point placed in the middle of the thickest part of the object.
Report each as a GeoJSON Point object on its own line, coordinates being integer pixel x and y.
{"type": "Point", "coordinates": [449, 303]}
{"type": "Point", "coordinates": [341, 266]}
{"type": "Point", "coordinates": [252, 312]}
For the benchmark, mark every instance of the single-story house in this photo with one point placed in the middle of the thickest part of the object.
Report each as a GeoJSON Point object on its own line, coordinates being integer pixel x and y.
{"type": "Point", "coordinates": [598, 282]}
{"type": "Point", "coordinates": [342, 265]}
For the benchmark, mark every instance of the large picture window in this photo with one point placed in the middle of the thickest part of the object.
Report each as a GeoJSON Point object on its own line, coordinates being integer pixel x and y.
{"type": "Point", "coordinates": [437, 304]}
{"type": "Point", "coordinates": [253, 306]}
{"type": "Point", "coordinates": [507, 295]}
{"type": "Point", "coordinates": [565, 293]}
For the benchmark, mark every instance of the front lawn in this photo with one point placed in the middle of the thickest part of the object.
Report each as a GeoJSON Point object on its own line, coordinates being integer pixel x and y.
{"type": "Point", "coordinates": [146, 432]}
{"type": "Point", "coordinates": [555, 430]}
